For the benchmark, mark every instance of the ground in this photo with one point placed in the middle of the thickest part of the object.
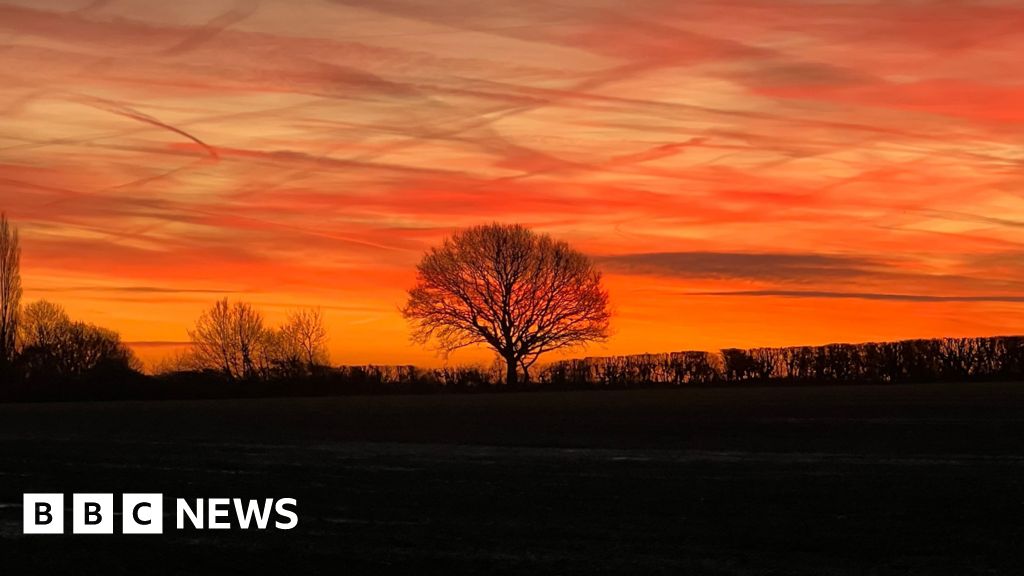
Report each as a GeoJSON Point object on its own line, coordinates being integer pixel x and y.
{"type": "Point", "coordinates": [923, 479]}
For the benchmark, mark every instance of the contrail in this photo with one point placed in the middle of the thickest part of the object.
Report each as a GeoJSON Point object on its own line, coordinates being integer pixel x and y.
{"type": "Point", "coordinates": [122, 110]}
{"type": "Point", "coordinates": [213, 28]}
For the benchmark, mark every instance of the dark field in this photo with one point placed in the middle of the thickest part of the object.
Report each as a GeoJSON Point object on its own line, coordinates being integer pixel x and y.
{"type": "Point", "coordinates": [924, 479]}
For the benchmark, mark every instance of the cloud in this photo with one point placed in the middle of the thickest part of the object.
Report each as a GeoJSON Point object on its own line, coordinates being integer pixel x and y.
{"type": "Point", "coordinates": [129, 289]}
{"type": "Point", "coordinates": [121, 110]}
{"type": "Point", "coordinates": [310, 151]}
{"type": "Point", "coordinates": [214, 27]}
{"type": "Point", "coordinates": [736, 265]}
{"type": "Point", "coordinates": [864, 296]}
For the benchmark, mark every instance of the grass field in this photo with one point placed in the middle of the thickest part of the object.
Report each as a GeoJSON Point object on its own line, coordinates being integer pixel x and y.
{"type": "Point", "coordinates": [925, 479]}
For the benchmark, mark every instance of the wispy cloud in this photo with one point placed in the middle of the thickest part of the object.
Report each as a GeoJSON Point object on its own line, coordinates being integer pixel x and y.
{"type": "Point", "coordinates": [126, 289]}
{"type": "Point", "coordinates": [863, 296]}
{"type": "Point", "coordinates": [309, 151]}
{"type": "Point", "coordinates": [731, 265]}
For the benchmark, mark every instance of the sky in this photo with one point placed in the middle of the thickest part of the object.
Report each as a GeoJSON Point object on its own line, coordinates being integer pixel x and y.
{"type": "Point", "coordinates": [745, 172]}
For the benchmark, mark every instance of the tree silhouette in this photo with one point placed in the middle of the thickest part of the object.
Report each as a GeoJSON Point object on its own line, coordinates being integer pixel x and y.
{"type": "Point", "coordinates": [519, 292]}
{"type": "Point", "coordinates": [305, 332]}
{"type": "Point", "coordinates": [234, 340]}
{"type": "Point", "coordinates": [229, 337]}
{"type": "Point", "coordinates": [10, 291]}
{"type": "Point", "coordinates": [54, 348]}
{"type": "Point", "coordinates": [42, 325]}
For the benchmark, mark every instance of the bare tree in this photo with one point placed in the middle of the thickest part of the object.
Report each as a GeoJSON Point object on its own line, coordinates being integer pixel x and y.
{"type": "Point", "coordinates": [10, 289]}
{"type": "Point", "coordinates": [52, 345]}
{"type": "Point", "coordinates": [280, 356]}
{"type": "Point", "coordinates": [519, 292]}
{"type": "Point", "coordinates": [43, 324]}
{"type": "Point", "coordinates": [88, 347]}
{"type": "Point", "coordinates": [229, 337]}
{"type": "Point", "coordinates": [305, 331]}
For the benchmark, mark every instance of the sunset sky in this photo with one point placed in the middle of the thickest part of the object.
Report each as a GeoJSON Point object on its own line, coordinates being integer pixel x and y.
{"type": "Point", "coordinates": [746, 172]}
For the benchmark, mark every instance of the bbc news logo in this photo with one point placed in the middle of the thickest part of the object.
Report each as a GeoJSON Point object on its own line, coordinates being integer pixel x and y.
{"type": "Point", "coordinates": [143, 513]}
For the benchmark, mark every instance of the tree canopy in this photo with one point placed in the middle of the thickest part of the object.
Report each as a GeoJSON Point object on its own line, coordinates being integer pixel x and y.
{"type": "Point", "coordinates": [521, 293]}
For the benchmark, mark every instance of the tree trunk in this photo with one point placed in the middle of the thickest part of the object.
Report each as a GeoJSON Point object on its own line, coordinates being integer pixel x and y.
{"type": "Point", "coordinates": [510, 372]}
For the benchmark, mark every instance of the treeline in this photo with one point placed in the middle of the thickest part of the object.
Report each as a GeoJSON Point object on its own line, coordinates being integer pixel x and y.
{"type": "Point", "coordinates": [902, 362]}
{"type": "Point", "coordinates": [910, 361]}
{"type": "Point", "coordinates": [327, 381]}
{"type": "Point", "coordinates": [905, 361]}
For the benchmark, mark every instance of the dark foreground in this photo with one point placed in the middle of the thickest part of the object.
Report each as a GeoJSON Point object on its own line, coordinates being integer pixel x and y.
{"type": "Point", "coordinates": [857, 480]}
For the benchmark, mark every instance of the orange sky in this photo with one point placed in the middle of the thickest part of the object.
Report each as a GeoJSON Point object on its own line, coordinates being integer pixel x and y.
{"type": "Point", "coordinates": [747, 172]}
